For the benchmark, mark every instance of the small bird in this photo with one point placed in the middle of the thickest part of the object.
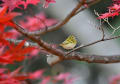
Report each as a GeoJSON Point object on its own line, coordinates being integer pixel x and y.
{"type": "Point", "coordinates": [69, 43]}
{"type": "Point", "coordinates": [52, 59]}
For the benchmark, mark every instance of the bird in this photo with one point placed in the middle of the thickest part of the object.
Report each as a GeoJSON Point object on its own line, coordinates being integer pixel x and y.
{"type": "Point", "coordinates": [52, 59]}
{"type": "Point", "coordinates": [69, 43]}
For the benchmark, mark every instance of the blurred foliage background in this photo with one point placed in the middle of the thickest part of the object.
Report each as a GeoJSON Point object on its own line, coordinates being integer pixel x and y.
{"type": "Point", "coordinates": [83, 26]}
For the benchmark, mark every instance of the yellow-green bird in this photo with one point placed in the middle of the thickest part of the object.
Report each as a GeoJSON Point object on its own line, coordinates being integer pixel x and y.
{"type": "Point", "coordinates": [69, 43]}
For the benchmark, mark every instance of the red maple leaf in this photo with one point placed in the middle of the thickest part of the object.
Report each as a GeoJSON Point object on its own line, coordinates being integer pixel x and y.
{"type": "Point", "coordinates": [17, 53]}
{"type": "Point", "coordinates": [34, 2]}
{"type": "Point", "coordinates": [116, 1]}
{"type": "Point", "coordinates": [11, 4]}
{"type": "Point", "coordinates": [38, 22]}
{"type": "Point", "coordinates": [47, 2]}
{"type": "Point", "coordinates": [14, 77]}
{"type": "Point", "coordinates": [114, 10]}
{"type": "Point", "coordinates": [106, 15]}
{"type": "Point", "coordinates": [5, 18]}
{"type": "Point", "coordinates": [35, 75]}
{"type": "Point", "coordinates": [3, 37]}
{"type": "Point", "coordinates": [46, 80]}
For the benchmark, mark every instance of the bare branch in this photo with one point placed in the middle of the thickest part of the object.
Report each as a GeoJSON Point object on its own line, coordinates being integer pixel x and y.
{"type": "Point", "coordinates": [93, 58]}
{"type": "Point", "coordinates": [102, 29]}
{"type": "Point", "coordinates": [89, 58]}
{"type": "Point", "coordinates": [103, 33]}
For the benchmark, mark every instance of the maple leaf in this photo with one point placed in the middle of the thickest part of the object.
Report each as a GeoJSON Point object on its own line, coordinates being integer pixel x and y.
{"type": "Point", "coordinates": [17, 53]}
{"type": "Point", "coordinates": [114, 7]}
{"type": "Point", "coordinates": [10, 81]}
{"type": "Point", "coordinates": [35, 75]}
{"type": "Point", "coordinates": [15, 72]}
{"type": "Point", "coordinates": [45, 80]}
{"type": "Point", "coordinates": [11, 4]}
{"type": "Point", "coordinates": [114, 79]}
{"type": "Point", "coordinates": [14, 77]}
{"type": "Point", "coordinates": [47, 2]}
{"type": "Point", "coordinates": [5, 18]}
{"type": "Point", "coordinates": [62, 76]}
{"type": "Point", "coordinates": [106, 15]}
{"type": "Point", "coordinates": [3, 41]}
{"type": "Point", "coordinates": [66, 77]}
{"type": "Point", "coordinates": [4, 36]}
{"type": "Point", "coordinates": [34, 2]}
{"type": "Point", "coordinates": [2, 70]}
{"type": "Point", "coordinates": [116, 1]}
{"type": "Point", "coordinates": [15, 34]}
{"type": "Point", "coordinates": [5, 61]}
{"type": "Point", "coordinates": [114, 10]}
{"type": "Point", "coordinates": [38, 22]}
{"type": "Point", "coordinates": [34, 52]}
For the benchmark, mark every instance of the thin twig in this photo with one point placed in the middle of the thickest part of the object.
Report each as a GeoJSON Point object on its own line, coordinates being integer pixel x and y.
{"type": "Point", "coordinates": [115, 30]}
{"type": "Point", "coordinates": [106, 20]}
{"type": "Point", "coordinates": [102, 29]}
{"type": "Point", "coordinates": [103, 33]}
{"type": "Point", "coordinates": [109, 23]}
{"type": "Point", "coordinates": [89, 44]}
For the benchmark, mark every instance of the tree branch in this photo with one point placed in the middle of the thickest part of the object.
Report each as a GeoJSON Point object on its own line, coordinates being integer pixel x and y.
{"type": "Point", "coordinates": [93, 58]}
{"type": "Point", "coordinates": [88, 58]}
{"type": "Point", "coordinates": [40, 42]}
{"type": "Point", "coordinates": [74, 55]}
